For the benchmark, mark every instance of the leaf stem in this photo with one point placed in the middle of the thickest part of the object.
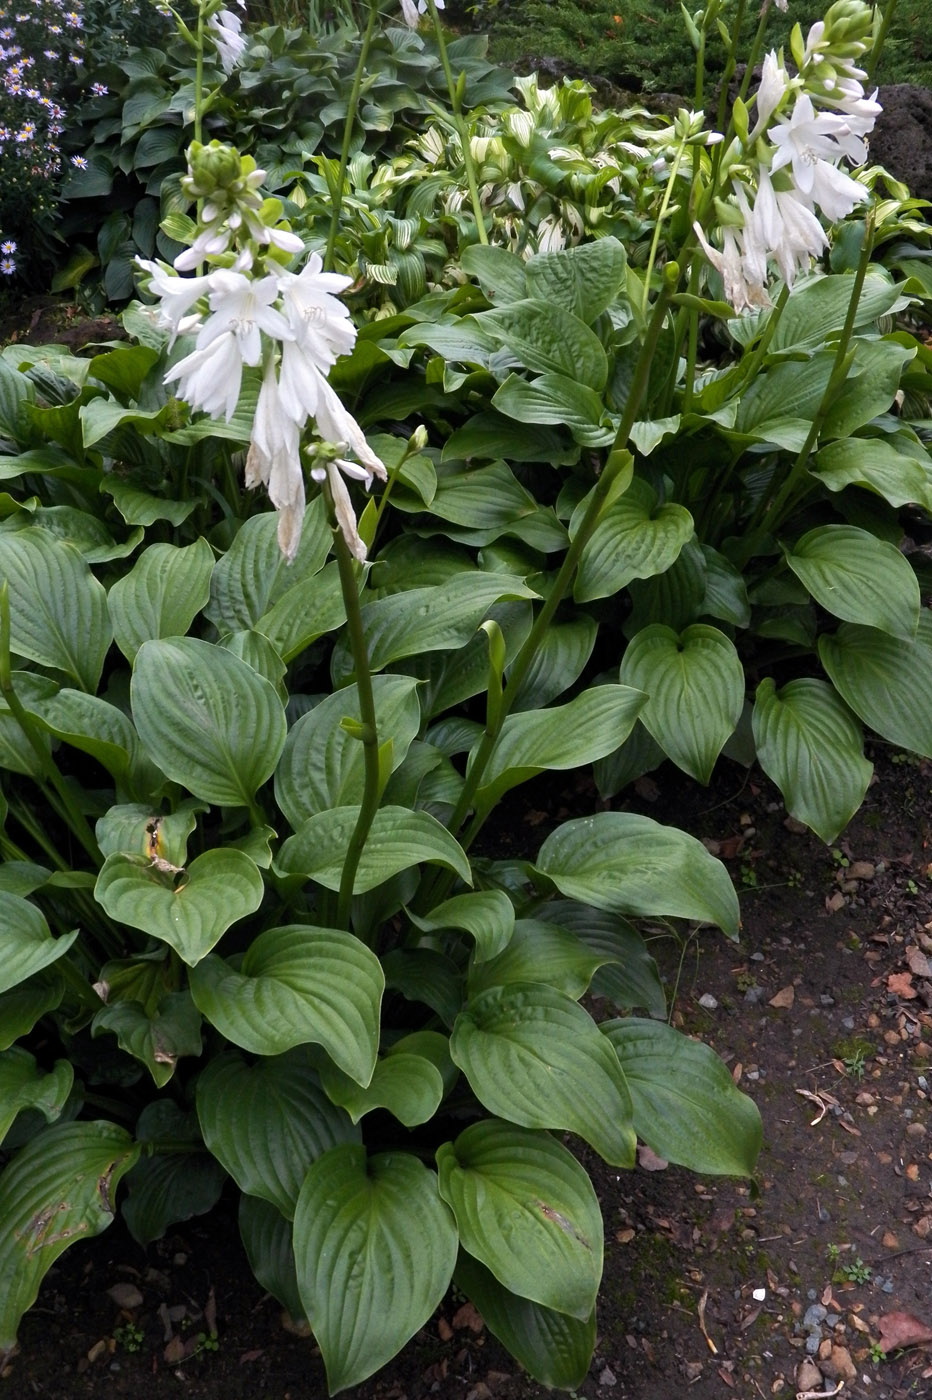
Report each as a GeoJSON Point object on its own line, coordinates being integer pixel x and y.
{"type": "Point", "coordinates": [876, 51]}
{"type": "Point", "coordinates": [618, 459]}
{"type": "Point", "coordinates": [348, 135]}
{"type": "Point", "coordinates": [456, 102]}
{"type": "Point", "coordinates": [372, 790]}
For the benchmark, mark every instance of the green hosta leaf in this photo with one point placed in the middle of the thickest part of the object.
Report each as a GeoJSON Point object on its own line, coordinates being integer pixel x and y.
{"type": "Point", "coordinates": [546, 338]}
{"type": "Point", "coordinates": [423, 975]}
{"type": "Point", "coordinates": [554, 398]}
{"type": "Point", "coordinates": [585, 280]}
{"type": "Point", "coordinates": [22, 1007]}
{"type": "Point", "coordinates": [486, 501]}
{"type": "Point", "coordinates": [500, 274]}
{"type": "Point", "coordinates": [525, 1208]}
{"type": "Point", "coordinates": [532, 741]}
{"type": "Point", "coordinates": [92, 725]}
{"type": "Point", "coordinates": [136, 829]}
{"type": "Point", "coordinates": [207, 719]}
{"type": "Point", "coordinates": [778, 405]}
{"type": "Point", "coordinates": [558, 663]}
{"type": "Point", "coordinates": [24, 1085]}
{"type": "Point", "coordinates": [554, 1348]}
{"type": "Point", "coordinates": [398, 839]}
{"type": "Point", "coordinates": [253, 574]}
{"type": "Point", "coordinates": [886, 681]}
{"type": "Point", "coordinates": [635, 538]}
{"type": "Point", "coordinates": [674, 597]}
{"type": "Point", "coordinates": [166, 1189]}
{"type": "Point", "coordinates": [59, 1188]}
{"type": "Point", "coordinates": [409, 1086]}
{"type": "Point", "coordinates": [488, 915]}
{"type": "Point", "coordinates": [877, 466]}
{"type": "Point", "coordinates": [323, 765]}
{"type": "Point", "coordinates": [375, 1248]}
{"type": "Point", "coordinates": [139, 507]}
{"type": "Point", "coordinates": [536, 1058]}
{"type": "Point", "coordinates": [258, 652]}
{"type": "Point", "coordinates": [298, 985]}
{"type": "Point", "coordinates": [26, 941]}
{"type": "Point", "coordinates": [726, 595]}
{"type": "Point", "coordinates": [540, 952]}
{"type": "Point", "coordinates": [58, 610]}
{"type": "Point", "coordinates": [820, 307]}
{"type": "Point", "coordinates": [191, 909]}
{"type": "Point", "coordinates": [686, 1106]}
{"type": "Point", "coordinates": [870, 388]}
{"type": "Point", "coordinates": [266, 1122]}
{"type": "Point", "coordinates": [811, 745]}
{"type": "Point", "coordinates": [424, 620]}
{"type": "Point", "coordinates": [161, 595]}
{"type": "Point", "coordinates": [628, 864]}
{"type": "Point", "coordinates": [858, 578]}
{"type": "Point", "coordinates": [266, 1236]}
{"type": "Point", "coordinates": [492, 435]}
{"type": "Point", "coordinates": [158, 1039]}
{"type": "Point", "coordinates": [307, 611]}
{"type": "Point", "coordinates": [628, 974]}
{"type": "Point", "coordinates": [694, 684]}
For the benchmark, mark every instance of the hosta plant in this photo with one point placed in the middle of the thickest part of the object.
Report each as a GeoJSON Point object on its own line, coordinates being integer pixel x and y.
{"type": "Point", "coordinates": [244, 935]}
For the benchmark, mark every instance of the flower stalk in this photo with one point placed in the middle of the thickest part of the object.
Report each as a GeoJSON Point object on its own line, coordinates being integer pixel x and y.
{"type": "Point", "coordinates": [349, 125]}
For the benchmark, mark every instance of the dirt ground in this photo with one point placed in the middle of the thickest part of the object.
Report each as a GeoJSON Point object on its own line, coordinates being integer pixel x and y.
{"type": "Point", "coordinates": [712, 1288]}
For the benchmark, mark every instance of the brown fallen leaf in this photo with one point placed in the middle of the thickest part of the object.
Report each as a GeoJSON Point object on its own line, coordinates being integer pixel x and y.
{"type": "Point", "coordinates": [174, 1352]}
{"type": "Point", "coordinates": [468, 1316]}
{"type": "Point", "coordinates": [784, 998]}
{"type": "Point", "coordinates": [901, 985]}
{"type": "Point", "coordinates": [918, 963]}
{"type": "Point", "coordinates": [901, 1329]}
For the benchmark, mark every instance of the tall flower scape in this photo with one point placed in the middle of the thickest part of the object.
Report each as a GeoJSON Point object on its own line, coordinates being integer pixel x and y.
{"type": "Point", "coordinates": [805, 128]}
{"type": "Point", "coordinates": [249, 309]}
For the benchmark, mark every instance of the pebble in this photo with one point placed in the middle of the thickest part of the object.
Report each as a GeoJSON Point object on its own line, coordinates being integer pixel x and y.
{"type": "Point", "coordinates": [757, 957]}
{"type": "Point", "coordinates": [708, 1001]}
{"type": "Point", "coordinates": [812, 1343]}
{"type": "Point", "coordinates": [832, 1319]}
{"type": "Point", "coordinates": [607, 1377]}
{"type": "Point", "coordinates": [754, 995]}
{"type": "Point", "coordinates": [848, 1023]}
{"type": "Point", "coordinates": [808, 1376]}
{"type": "Point", "coordinates": [815, 1315]}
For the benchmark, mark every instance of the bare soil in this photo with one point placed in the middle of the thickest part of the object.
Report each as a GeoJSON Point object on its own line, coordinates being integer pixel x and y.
{"type": "Point", "coordinates": [712, 1288]}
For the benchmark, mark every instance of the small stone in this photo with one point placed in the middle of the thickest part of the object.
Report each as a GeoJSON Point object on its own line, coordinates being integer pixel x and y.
{"type": "Point", "coordinates": [607, 1376]}
{"type": "Point", "coordinates": [98, 1350]}
{"type": "Point", "coordinates": [708, 1001]}
{"type": "Point", "coordinates": [125, 1295]}
{"type": "Point", "coordinates": [848, 1023]}
{"type": "Point", "coordinates": [808, 1375]}
{"type": "Point", "coordinates": [798, 828]}
{"type": "Point", "coordinates": [838, 1366]}
{"type": "Point", "coordinates": [861, 870]}
{"type": "Point", "coordinates": [783, 999]}
{"type": "Point", "coordinates": [916, 1130]}
{"type": "Point", "coordinates": [815, 1315]}
{"type": "Point", "coordinates": [812, 1343]}
{"type": "Point", "coordinates": [832, 1319]}
{"type": "Point", "coordinates": [757, 957]}
{"type": "Point", "coordinates": [826, 999]}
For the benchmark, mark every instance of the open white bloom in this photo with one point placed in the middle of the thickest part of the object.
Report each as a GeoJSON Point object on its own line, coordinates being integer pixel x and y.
{"type": "Point", "coordinates": [811, 139]}
{"type": "Point", "coordinates": [210, 379]}
{"type": "Point", "coordinates": [786, 226]}
{"type": "Point", "coordinates": [226, 30]}
{"type": "Point", "coordinates": [320, 323]}
{"type": "Point", "coordinates": [176, 297]}
{"type": "Point", "coordinates": [742, 289]}
{"type": "Point", "coordinates": [409, 13]}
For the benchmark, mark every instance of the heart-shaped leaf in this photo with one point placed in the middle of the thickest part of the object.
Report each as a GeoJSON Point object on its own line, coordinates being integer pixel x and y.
{"type": "Point", "coordinates": [635, 538]}
{"type": "Point", "coordinates": [409, 1086]}
{"type": "Point", "coordinates": [488, 915]}
{"type": "Point", "coordinates": [27, 942]}
{"type": "Point", "coordinates": [375, 1248]}
{"type": "Point", "coordinates": [526, 1208]}
{"type": "Point", "coordinates": [536, 1058]}
{"type": "Point", "coordinates": [812, 747]}
{"type": "Point", "coordinates": [207, 719]}
{"type": "Point", "coordinates": [398, 838]}
{"type": "Point", "coordinates": [886, 681]}
{"type": "Point", "coordinates": [158, 1038]}
{"type": "Point", "coordinates": [58, 610]}
{"type": "Point", "coordinates": [554, 1348]}
{"type": "Point", "coordinates": [694, 683]}
{"type": "Point", "coordinates": [266, 1122]}
{"type": "Point", "coordinates": [59, 1188]}
{"type": "Point", "coordinates": [190, 910]}
{"type": "Point", "coordinates": [686, 1105]}
{"type": "Point", "coordinates": [628, 864]}
{"type": "Point", "coordinates": [858, 578]}
{"type": "Point", "coordinates": [161, 595]}
{"type": "Point", "coordinates": [298, 985]}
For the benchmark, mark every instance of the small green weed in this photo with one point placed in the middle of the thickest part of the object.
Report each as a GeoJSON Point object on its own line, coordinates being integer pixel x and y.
{"type": "Point", "coordinates": [129, 1336]}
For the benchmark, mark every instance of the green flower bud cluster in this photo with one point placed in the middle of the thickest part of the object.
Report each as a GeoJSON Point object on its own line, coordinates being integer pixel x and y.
{"type": "Point", "coordinates": [219, 173]}
{"type": "Point", "coordinates": [835, 45]}
{"type": "Point", "coordinates": [848, 22]}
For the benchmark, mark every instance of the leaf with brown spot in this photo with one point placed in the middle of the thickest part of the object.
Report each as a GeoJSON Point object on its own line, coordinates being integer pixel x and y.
{"type": "Point", "coordinates": [902, 1329]}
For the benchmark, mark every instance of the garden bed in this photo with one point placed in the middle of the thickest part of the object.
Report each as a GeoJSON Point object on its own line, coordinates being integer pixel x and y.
{"type": "Point", "coordinates": [819, 1016]}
